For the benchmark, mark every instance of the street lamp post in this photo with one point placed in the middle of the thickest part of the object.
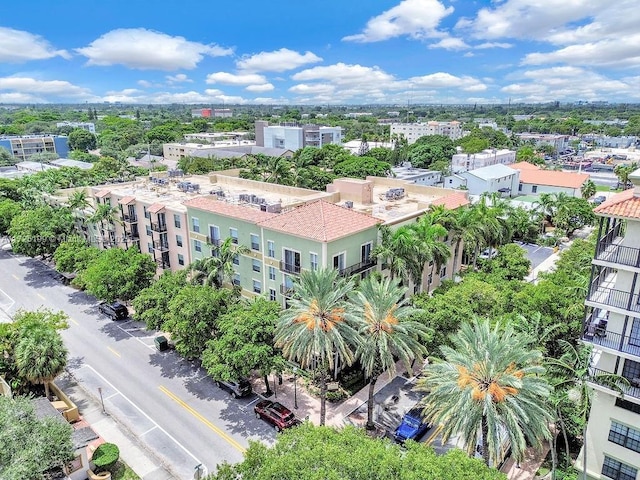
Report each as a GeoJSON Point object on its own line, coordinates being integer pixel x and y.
{"type": "Point", "coordinates": [295, 388]}
{"type": "Point", "coordinates": [101, 400]}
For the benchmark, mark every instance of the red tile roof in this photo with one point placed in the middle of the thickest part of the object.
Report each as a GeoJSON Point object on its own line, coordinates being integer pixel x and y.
{"type": "Point", "coordinates": [321, 221]}
{"type": "Point", "coordinates": [623, 204]}
{"type": "Point", "coordinates": [524, 166]}
{"type": "Point", "coordinates": [246, 213]}
{"type": "Point", "coordinates": [156, 207]}
{"type": "Point", "coordinates": [453, 201]}
{"type": "Point", "coordinates": [126, 200]}
{"type": "Point", "coordinates": [553, 178]}
{"type": "Point", "coordinates": [103, 193]}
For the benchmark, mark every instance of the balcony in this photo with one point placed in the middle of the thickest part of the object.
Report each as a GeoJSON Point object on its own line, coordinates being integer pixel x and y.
{"type": "Point", "coordinates": [161, 246]}
{"type": "Point", "coordinates": [615, 253]}
{"type": "Point", "coordinates": [163, 263]}
{"type": "Point", "coordinates": [610, 297]}
{"type": "Point", "coordinates": [213, 241]}
{"type": "Point", "coordinates": [158, 227]}
{"type": "Point", "coordinates": [285, 290]}
{"type": "Point", "coordinates": [131, 236]}
{"type": "Point", "coordinates": [597, 333]}
{"type": "Point", "coordinates": [358, 267]}
{"type": "Point", "coordinates": [130, 218]}
{"type": "Point", "coordinates": [596, 376]}
{"type": "Point", "coordinates": [289, 268]}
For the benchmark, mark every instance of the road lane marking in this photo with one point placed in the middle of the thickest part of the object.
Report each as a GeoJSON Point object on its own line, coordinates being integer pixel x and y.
{"type": "Point", "coordinates": [74, 321]}
{"type": "Point", "coordinates": [151, 429]}
{"type": "Point", "coordinates": [433, 436]}
{"type": "Point", "coordinates": [15, 276]}
{"type": "Point", "coordinates": [133, 336]}
{"type": "Point", "coordinates": [112, 395]}
{"type": "Point", "coordinates": [40, 296]}
{"type": "Point", "coordinates": [193, 412]}
{"type": "Point", "coordinates": [114, 352]}
{"type": "Point", "coordinates": [107, 382]}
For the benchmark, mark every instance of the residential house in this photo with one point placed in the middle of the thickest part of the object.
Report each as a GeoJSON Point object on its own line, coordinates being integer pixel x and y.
{"type": "Point", "coordinates": [492, 179]}
{"type": "Point", "coordinates": [420, 176]}
{"type": "Point", "coordinates": [535, 180]}
{"type": "Point", "coordinates": [612, 328]}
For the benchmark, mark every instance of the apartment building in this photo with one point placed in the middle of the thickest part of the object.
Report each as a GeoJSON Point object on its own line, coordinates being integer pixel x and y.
{"type": "Point", "coordinates": [559, 142]}
{"type": "Point", "coordinates": [88, 126]}
{"type": "Point", "coordinates": [612, 327]}
{"type": "Point", "coordinates": [292, 136]}
{"type": "Point", "coordinates": [461, 162]}
{"type": "Point", "coordinates": [23, 147]}
{"type": "Point", "coordinates": [413, 131]}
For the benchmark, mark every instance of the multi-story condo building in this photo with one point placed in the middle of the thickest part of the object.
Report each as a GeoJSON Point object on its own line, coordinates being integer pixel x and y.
{"type": "Point", "coordinates": [462, 162]}
{"type": "Point", "coordinates": [292, 136]}
{"type": "Point", "coordinates": [23, 147]}
{"type": "Point", "coordinates": [88, 126]}
{"type": "Point", "coordinates": [612, 327]}
{"type": "Point", "coordinates": [413, 131]}
{"type": "Point", "coordinates": [559, 142]}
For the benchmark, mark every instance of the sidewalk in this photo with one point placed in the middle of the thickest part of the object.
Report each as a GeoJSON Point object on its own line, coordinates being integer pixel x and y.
{"type": "Point", "coordinates": [526, 469]}
{"type": "Point", "coordinates": [144, 463]}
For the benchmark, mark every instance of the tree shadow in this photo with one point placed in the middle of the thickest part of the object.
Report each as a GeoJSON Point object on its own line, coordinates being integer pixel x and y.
{"type": "Point", "coordinates": [79, 297]}
{"type": "Point", "coordinates": [173, 365]}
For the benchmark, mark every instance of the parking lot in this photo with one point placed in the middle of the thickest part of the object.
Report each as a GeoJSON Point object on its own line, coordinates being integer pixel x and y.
{"type": "Point", "coordinates": [535, 253]}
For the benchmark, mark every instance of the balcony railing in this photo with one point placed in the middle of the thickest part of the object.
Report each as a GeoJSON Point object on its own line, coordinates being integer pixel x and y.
{"type": "Point", "coordinates": [158, 227]}
{"type": "Point", "coordinates": [285, 290]}
{"type": "Point", "coordinates": [132, 236]}
{"type": "Point", "coordinates": [358, 267]}
{"type": "Point", "coordinates": [289, 267]}
{"type": "Point", "coordinates": [598, 334]}
{"type": "Point", "coordinates": [213, 241]}
{"type": "Point", "coordinates": [130, 218]}
{"type": "Point", "coordinates": [598, 377]}
{"type": "Point", "coordinates": [614, 253]}
{"type": "Point", "coordinates": [161, 246]}
{"type": "Point", "coordinates": [163, 263]}
{"type": "Point", "coordinates": [614, 298]}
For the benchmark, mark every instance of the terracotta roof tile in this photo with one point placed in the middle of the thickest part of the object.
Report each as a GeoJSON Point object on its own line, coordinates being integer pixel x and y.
{"type": "Point", "coordinates": [453, 201]}
{"type": "Point", "coordinates": [246, 213]}
{"type": "Point", "coordinates": [156, 207]}
{"type": "Point", "coordinates": [524, 166]}
{"type": "Point", "coordinates": [553, 178]}
{"type": "Point", "coordinates": [321, 221]}
{"type": "Point", "coordinates": [623, 204]}
{"type": "Point", "coordinates": [103, 193]}
{"type": "Point", "coordinates": [126, 200]}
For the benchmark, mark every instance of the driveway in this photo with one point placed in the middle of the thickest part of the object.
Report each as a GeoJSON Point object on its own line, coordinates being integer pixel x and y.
{"type": "Point", "coordinates": [535, 253]}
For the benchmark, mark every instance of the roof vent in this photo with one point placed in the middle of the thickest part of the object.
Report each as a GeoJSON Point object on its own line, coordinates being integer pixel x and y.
{"type": "Point", "coordinates": [348, 204]}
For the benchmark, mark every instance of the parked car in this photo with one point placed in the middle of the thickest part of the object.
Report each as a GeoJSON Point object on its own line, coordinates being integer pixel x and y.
{"type": "Point", "coordinates": [488, 254]}
{"type": "Point", "coordinates": [412, 427]}
{"type": "Point", "coordinates": [276, 414]}
{"type": "Point", "coordinates": [599, 199]}
{"type": "Point", "coordinates": [115, 310]}
{"type": "Point", "coordinates": [240, 388]}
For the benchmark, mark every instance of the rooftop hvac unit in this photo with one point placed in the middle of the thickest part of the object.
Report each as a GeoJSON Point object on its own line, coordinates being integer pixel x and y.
{"type": "Point", "coordinates": [244, 197]}
{"type": "Point", "coordinates": [263, 207]}
{"type": "Point", "coordinates": [348, 204]}
{"type": "Point", "coordinates": [273, 207]}
{"type": "Point", "coordinates": [394, 193]}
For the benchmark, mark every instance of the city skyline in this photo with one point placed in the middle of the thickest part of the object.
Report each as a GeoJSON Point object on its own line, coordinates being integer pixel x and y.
{"type": "Point", "coordinates": [385, 52]}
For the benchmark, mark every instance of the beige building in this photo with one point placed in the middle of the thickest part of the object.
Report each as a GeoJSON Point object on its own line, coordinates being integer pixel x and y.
{"type": "Point", "coordinates": [413, 131]}
{"type": "Point", "coordinates": [612, 327]}
{"type": "Point", "coordinates": [462, 162]}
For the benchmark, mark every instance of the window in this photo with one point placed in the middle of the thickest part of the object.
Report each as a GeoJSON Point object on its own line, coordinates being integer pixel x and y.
{"type": "Point", "coordinates": [520, 187]}
{"type": "Point", "coordinates": [195, 223]}
{"type": "Point", "coordinates": [339, 261]}
{"type": "Point", "coordinates": [631, 369]}
{"type": "Point", "coordinates": [534, 189]}
{"type": "Point", "coordinates": [255, 242]}
{"type": "Point", "coordinates": [236, 279]}
{"type": "Point", "coordinates": [197, 245]}
{"type": "Point", "coordinates": [365, 252]}
{"type": "Point", "coordinates": [625, 436]}
{"type": "Point", "coordinates": [236, 259]}
{"type": "Point", "coordinates": [233, 233]}
{"type": "Point", "coordinates": [179, 240]}
{"type": "Point", "coordinates": [148, 230]}
{"type": "Point", "coordinates": [272, 295]}
{"type": "Point", "coordinates": [313, 260]}
{"type": "Point", "coordinates": [150, 247]}
{"type": "Point", "coordinates": [443, 272]}
{"type": "Point", "coordinates": [291, 261]}
{"type": "Point", "coordinates": [617, 470]}
{"type": "Point", "coordinates": [176, 220]}
{"type": "Point", "coordinates": [627, 405]}
{"type": "Point", "coordinates": [257, 286]}
{"type": "Point", "coordinates": [255, 265]}
{"type": "Point", "coordinates": [272, 273]}
{"type": "Point", "coordinates": [180, 259]}
{"type": "Point", "coordinates": [271, 249]}
{"type": "Point", "coordinates": [146, 213]}
{"type": "Point", "coordinates": [214, 235]}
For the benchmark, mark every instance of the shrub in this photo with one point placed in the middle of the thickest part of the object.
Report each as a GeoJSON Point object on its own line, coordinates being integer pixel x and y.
{"type": "Point", "coordinates": [105, 456]}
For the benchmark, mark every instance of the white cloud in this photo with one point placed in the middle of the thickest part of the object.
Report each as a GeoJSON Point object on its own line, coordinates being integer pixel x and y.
{"type": "Point", "coordinates": [179, 78]}
{"type": "Point", "coordinates": [144, 49]}
{"type": "Point", "coordinates": [264, 87]}
{"type": "Point", "coordinates": [236, 79]}
{"type": "Point", "coordinates": [446, 80]}
{"type": "Point", "coordinates": [314, 89]}
{"type": "Point", "coordinates": [50, 88]}
{"type": "Point", "coordinates": [486, 45]}
{"type": "Point", "coordinates": [276, 61]}
{"type": "Point", "coordinates": [19, 46]}
{"type": "Point", "coordinates": [16, 97]}
{"type": "Point", "coordinates": [344, 74]}
{"type": "Point", "coordinates": [145, 83]}
{"type": "Point", "coordinates": [450, 43]}
{"type": "Point", "coordinates": [415, 18]}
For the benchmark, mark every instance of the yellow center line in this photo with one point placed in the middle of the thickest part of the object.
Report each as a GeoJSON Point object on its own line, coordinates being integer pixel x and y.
{"type": "Point", "coordinates": [114, 352]}
{"type": "Point", "coordinates": [14, 276]}
{"type": "Point", "coordinates": [40, 296]}
{"type": "Point", "coordinates": [433, 436]}
{"type": "Point", "coordinates": [193, 412]}
{"type": "Point", "coordinates": [74, 321]}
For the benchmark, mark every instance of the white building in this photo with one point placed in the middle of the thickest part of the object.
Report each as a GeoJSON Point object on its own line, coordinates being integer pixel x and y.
{"type": "Point", "coordinates": [492, 179]}
{"type": "Point", "coordinates": [471, 161]}
{"type": "Point", "coordinates": [535, 180]}
{"type": "Point", "coordinates": [612, 327]}
{"type": "Point", "coordinates": [419, 176]}
{"type": "Point", "coordinates": [88, 126]}
{"type": "Point", "coordinates": [413, 131]}
{"type": "Point", "coordinates": [294, 137]}
{"type": "Point", "coordinates": [558, 142]}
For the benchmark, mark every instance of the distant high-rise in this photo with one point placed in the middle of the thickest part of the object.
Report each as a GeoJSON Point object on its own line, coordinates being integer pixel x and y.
{"type": "Point", "coordinates": [294, 137]}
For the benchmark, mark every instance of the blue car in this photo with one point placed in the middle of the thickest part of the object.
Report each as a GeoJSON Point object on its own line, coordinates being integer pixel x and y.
{"type": "Point", "coordinates": [412, 427]}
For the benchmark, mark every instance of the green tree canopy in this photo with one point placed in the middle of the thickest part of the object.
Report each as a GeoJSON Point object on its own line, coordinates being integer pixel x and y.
{"type": "Point", "coordinates": [80, 139]}
{"type": "Point", "coordinates": [152, 303]}
{"type": "Point", "coordinates": [361, 167]}
{"type": "Point", "coordinates": [40, 231]}
{"type": "Point", "coordinates": [8, 210]}
{"type": "Point", "coordinates": [429, 149]}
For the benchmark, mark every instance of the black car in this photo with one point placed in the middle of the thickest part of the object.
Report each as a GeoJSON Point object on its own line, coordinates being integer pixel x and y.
{"type": "Point", "coordinates": [241, 388]}
{"type": "Point", "coordinates": [115, 310]}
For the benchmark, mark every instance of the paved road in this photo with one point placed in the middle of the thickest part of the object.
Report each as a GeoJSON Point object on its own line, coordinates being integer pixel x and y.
{"type": "Point", "coordinates": [169, 403]}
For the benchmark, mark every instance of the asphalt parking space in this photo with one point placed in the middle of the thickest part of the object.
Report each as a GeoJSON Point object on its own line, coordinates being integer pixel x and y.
{"type": "Point", "coordinates": [536, 253]}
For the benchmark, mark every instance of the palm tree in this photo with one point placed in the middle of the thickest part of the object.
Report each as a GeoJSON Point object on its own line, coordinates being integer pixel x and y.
{"type": "Point", "coordinates": [40, 356]}
{"type": "Point", "coordinates": [573, 373]}
{"type": "Point", "coordinates": [317, 329]}
{"type": "Point", "coordinates": [386, 330]}
{"type": "Point", "coordinates": [623, 172]}
{"type": "Point", "coordinates": [217, 268]}
{"type": "Point", "coordinates": [395, 250]}
{"type": "Point", "coordinates": [429, 247]}
{"type": "Point", "coordinates": [588, 189]}
{"type": "Point", "coordinates": [489, 381]}
{"type": "Point", "coordinates": [107, 215]}
{"type": "Point", "coordinates": [78, 202]}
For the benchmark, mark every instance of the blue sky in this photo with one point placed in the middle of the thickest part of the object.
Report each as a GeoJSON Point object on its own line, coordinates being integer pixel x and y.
{"type": "Point", "coordinates": [319, 52]}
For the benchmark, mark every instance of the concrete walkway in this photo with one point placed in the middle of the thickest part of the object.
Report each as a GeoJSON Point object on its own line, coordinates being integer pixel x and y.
{"type": "Point", "coordinates": [526, 469]}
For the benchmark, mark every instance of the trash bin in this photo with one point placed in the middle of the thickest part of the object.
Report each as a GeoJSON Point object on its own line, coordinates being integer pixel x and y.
{"type": "Point", "coordinates": [162, 343]}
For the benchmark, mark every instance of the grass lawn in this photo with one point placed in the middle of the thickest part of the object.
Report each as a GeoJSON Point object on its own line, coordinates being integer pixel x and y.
{"type": "Point", "coordinates": [121, 471]}
{"type": "Point", "coordinates": [604, 188]}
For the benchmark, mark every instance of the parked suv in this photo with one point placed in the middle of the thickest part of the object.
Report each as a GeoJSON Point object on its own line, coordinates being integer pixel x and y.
{"type": "Point", "coordinates": [412, 427]}
{"type": "Point", "coordinates": [241, 388]}
{"type": "Point", "coordinates": [276, 414]}
{"type": "Point", "coordinates": [115, 310]}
